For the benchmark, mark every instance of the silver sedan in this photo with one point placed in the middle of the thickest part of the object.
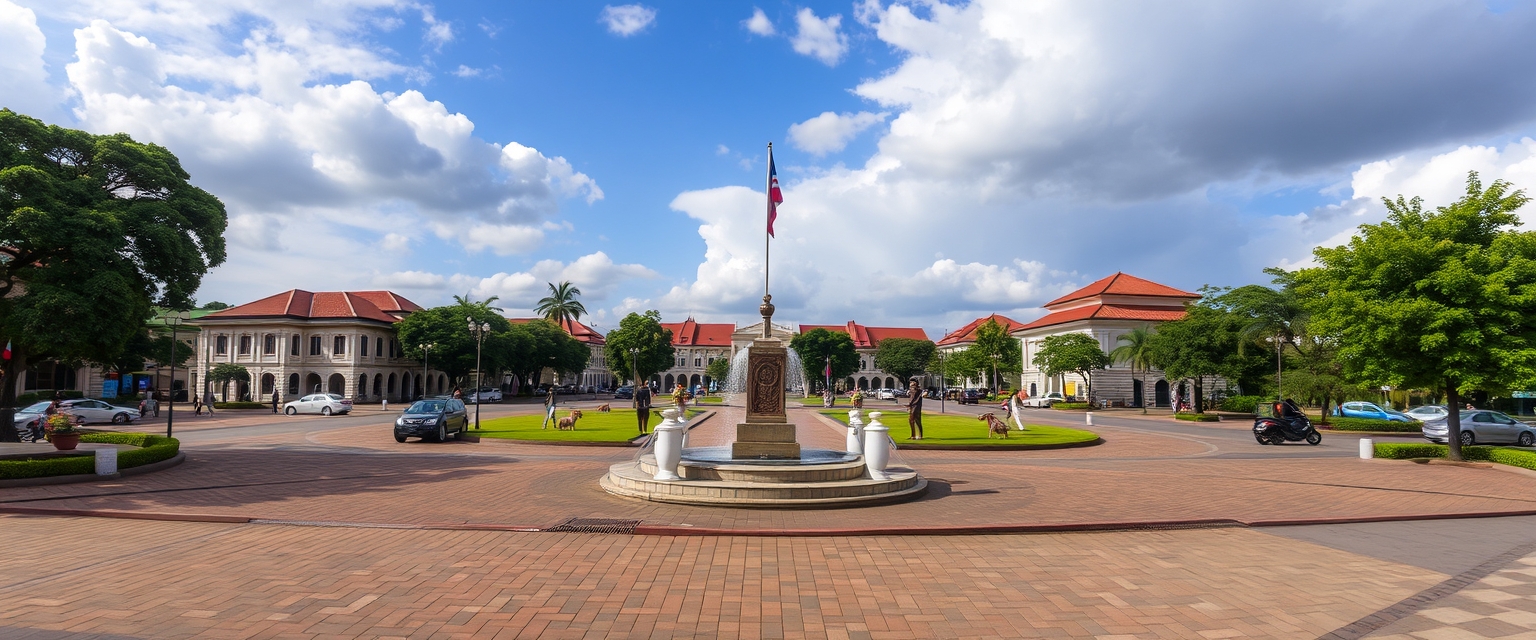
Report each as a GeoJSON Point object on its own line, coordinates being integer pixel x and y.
{"type": "Point", "coordinates": [1479, 426]}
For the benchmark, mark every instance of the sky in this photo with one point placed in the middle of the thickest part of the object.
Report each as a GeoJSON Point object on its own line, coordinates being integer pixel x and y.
{"type": "Point", "coordinates": [940, 161]}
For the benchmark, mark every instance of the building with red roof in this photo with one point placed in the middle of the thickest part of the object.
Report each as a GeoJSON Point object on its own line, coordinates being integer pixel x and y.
{"type": "Point", "coordinates": [866, 340]}
{"type": "Point", "coordinates": [596, 375]}
{"type": "Point", "coordinates": [301, 342]}
{"type": "Point", "coordinates": [694, 346]}
{"type": "Point", "coordinates": [1105, 310]}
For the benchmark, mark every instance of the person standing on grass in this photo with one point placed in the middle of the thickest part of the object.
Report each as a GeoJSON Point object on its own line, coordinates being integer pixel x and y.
{"type": "Point", "coordinates": [549, 407]}
{"type": "Point", "coordinates": [643, 407]}
{"type": "Point", "coordinates": [915, 411]}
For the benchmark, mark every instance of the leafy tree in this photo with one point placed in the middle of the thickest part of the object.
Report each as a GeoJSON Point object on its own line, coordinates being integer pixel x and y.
{"type": "Point", "coordinates": [453, 350]}
{"type": "Point", "coordinates": [719, 371]}
{"type": "Point", "coordinates": [1075, 353]}
{"type": "Point", "coordinates": [965, 364]}
{"type": "Point", "coordinates": [645, 333]}
{"type": "Point", "coordinates": [561, 303]}
{"type": "Point", "coordinates": [994, 350]}
{"type": "Point", "coordinates": [214, 306]}
{"type": "Point", "coordinates": [225, 373]}
{"type": "Point", "coordinates": [1443, 298]}
{"type": "Point", "coordinates": [1200, 345]}
{"type": "Point", "coordinates": [816, 346]}
{"type": "Point", "coordinates": [1269, 317]}
{"type": "Point", "coordinates": [1136, 350]}
{"type": "Point", "coordinates": [93, 231]}
{"type": "Point", "coordinates": [904, 357]}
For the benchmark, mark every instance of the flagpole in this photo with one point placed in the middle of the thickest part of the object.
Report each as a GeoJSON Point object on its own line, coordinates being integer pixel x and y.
{"type": "Point", "coordinates": [767, 220]}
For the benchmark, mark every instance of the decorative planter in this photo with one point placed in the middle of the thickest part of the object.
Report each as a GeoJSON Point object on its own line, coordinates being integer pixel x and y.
{"type": "Point", "coordinates": [877, 449]}
{"type": "Point", "coordinates": [669, 446]}
{"type": "Point", "coordinates": [64, 441]}
{"type": "Point", "coordinates": [855, 432]}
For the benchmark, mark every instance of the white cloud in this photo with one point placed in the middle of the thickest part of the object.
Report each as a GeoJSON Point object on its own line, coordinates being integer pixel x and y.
{"type": "Point", "coordinates": [438, 32]}
{"type": "Point", "coordinates": [491, 29]}
{"type": "Point", "coordinates": [722, 150]}
{"type": "Point", "coordinates": [628, 19]}
{"type": "Point", "coordinates": [409, 280]}
{"type": "Point", "coordinates": [830, 132]}
{"type": "Point", "coordinates": [466, 71]}
{"type": "Point", "coordinates": [820, 38]}
{"type": "Point", "coordinates": [1442, 178]}
{"type": "Point", "coordinates": [23, 76]}
{"type": "Point", "coordinates": [759, 23]}
{"type": "Point", "coordinates": [597, 275]}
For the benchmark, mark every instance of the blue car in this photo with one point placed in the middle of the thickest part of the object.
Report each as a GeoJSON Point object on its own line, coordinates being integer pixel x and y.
{"type": "Point", "coordinates": [1370, 410]}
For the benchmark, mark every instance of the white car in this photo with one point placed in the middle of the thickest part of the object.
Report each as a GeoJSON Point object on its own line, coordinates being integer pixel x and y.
{"type": "Point", "coordinates": [491, 394]}
{"type": "Point", "coordinates": [98, 411]}
{"type": "Point", "coordinates": [1042, 402]}
{"type": "Point", "coordinates": [325, 404]}
{"type": "Point", "coordinates": [886, 394]}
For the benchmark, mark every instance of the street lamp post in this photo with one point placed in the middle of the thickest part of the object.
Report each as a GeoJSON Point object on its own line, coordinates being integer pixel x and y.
{"type": "Point", "coordinates": [426, 352]}
{"type": "Point", "coordinates": [170, 418]}
{"type": "Point", "coordinates": [634, 365]}
{"type": "Point", "coordinates": [943, 382]}
{"type": "Point", "coordinates": [478, 330]}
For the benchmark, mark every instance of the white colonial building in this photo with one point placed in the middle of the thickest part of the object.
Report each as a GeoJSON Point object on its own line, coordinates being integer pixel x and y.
{"type": "Point", "coordinates": [961, 339]}
{"type": "Point", "coordinates": [694, 346]}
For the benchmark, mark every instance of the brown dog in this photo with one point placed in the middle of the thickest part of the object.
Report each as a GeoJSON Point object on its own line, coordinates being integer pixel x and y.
{"type": "Point", "coordinates": [994, 426]}
{"type": "Point", "coordinates": [603, 408]}
{"type": "Point", "coordinates": [568, 423]}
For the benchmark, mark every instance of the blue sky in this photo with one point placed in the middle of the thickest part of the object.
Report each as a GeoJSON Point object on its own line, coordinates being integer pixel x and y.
{"type": "Point", "coordinates": [941, 160]}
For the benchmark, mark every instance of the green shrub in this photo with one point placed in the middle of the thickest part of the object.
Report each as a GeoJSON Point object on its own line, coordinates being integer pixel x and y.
{"type": "Point", "coordinates": [1198, 417]}
{"type": "Point", "coordinates": [1241, 404]}
{"type": "Point", "coordinates": [153, 448]}
{"type": "Point", "coordinates": [1499, 455]}
{"type": "Point", "coordinates": [1415, 450]}
{"type": "Point", "coordinates": [1372, 424]}
{"type": "Point", "coordinates": [1513, 457]}
{"type": "Point", "coordinates": [1070, 406]}
{"type": "Point", "coordinates": [241, 405]}
{"type": "Point", "coordinates": [44, 467]}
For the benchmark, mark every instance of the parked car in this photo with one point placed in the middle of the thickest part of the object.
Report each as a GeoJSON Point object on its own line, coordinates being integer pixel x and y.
{"type": "Point", "coordinates": [1370, 410]}
{"type": "Point", "coordinates": [886, 394]}
{"type": "Point", "coordinates": [491, 394]}
{"type": "Point", "coordinates": [970, 396]}
{"type": "Point", "coordinates": [626, 392]}
{"type": "Point", "coordinates": [435, 419]}
{"type": "Point", "coordinates": [1044, 401]}
{"type": "Point", "coordinates": [1428, 412]}
{"type": "Point", "coordinates": [97, 411]}
{"type": "Point", "coordinates": [27, 417]}
{"type": "Point", "coordinates": [1482, 427]}
{"type": "Point", "coordinates": [325, 404]}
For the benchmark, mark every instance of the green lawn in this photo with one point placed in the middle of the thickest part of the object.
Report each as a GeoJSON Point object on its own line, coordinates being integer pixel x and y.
{"type": "Point", "coordinates": [939, 430]}
{"type": "Point", "coordinates": [616, 426]}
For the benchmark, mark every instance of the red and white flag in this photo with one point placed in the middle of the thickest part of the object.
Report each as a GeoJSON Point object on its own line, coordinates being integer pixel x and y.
{"type": "Point", "coordinates": [7, 354]}
{"type": "Point", "coordinates": [774, 195]}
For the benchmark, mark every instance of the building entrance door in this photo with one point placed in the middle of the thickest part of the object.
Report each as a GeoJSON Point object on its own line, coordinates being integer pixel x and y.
{"type": "Point", "coordinates": [1136, 392]}
{"type": "Point", "coordinates": [1160, 394]}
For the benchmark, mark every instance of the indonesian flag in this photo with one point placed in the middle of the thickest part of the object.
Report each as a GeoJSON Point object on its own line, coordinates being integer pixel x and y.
{"type": "Point", "coordinates": [774, 195]}
{"type": "Point", "coordinates": [7, 353]}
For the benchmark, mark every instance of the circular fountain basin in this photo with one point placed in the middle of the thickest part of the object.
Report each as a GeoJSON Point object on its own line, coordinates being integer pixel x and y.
{"type": "Point", "coordinates": [821, 477]}
{"type": "Point", "coordinates": [722, 455]}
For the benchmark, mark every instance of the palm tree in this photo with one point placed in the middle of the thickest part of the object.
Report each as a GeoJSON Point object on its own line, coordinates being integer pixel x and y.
{"type": "Point", "coordinates": [468, 302]}
{"type": "Point", "coordinates": [1274, 315]}
{"type": "Point", "coordinates": [561, 304]}
{"type": "Point", "coordinates": [1136, 351]}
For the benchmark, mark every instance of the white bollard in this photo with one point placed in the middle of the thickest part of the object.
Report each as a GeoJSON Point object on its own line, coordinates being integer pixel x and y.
{"type": "Point", "coordinates": [386, 405]}
{"type": "Point", "coordinates": [106, 460]}
{"type": "Point", "coordinates": [1367, 448]}
{"type": "Point", "coordinates": [877, 450]}
{"type": "Point", "coordinates": [1089, 417]}
{"type": "Point", "coordinates": [669, 446]}
{"type": "Point", "coordinates": [855, 444]}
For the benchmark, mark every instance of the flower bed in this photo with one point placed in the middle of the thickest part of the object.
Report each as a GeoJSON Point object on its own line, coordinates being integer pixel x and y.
{"type": "Point", "coordinates": [1500, 455]}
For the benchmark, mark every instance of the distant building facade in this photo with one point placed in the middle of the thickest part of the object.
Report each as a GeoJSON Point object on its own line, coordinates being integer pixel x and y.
{"type": "Point", "coordinates": [961, 339]}
{"type": "Point", "coordinates": [694, 346]}
{"type": "Point", "coordinates": [866, 340]}
{"type": "Point", "coordinates": [596, 375]}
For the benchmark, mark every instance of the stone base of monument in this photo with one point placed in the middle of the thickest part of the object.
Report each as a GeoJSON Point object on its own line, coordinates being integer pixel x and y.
{"type": "Point", "coordinates": [711, 476]}
{"type": "Point", "coordinates": [765, 441]}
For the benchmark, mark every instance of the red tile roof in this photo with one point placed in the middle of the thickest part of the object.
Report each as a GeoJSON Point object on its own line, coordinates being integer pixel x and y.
{"type": "Point", "coordinates": [868, 337]}
{"type": "Point", "coordinates": [297, 303]}
{"type": "Point", "coordinates": [1108, 312]}
{"type": "Point", "coordinates": [582, 333]}
{"type": "Point", "coordinates": [692, 334]}
{"type": "Point", "coordinates": [1122, 284]}
{"type": "Point", "coordinates": [967, 333]}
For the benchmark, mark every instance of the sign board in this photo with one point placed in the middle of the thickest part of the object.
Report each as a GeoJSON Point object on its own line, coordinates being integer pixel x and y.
{"type": "Point", "coordinates": [127, 383]}
{"type": "Point", "coordinates": [109, 388]}
{"type": "Point", "coordinates": [1523, 394]}
{"type": "Point", "coordinates": [143, 384]}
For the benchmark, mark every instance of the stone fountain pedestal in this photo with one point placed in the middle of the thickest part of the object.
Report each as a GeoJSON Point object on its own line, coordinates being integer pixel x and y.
{"type": "Point", "coordinates": [767, 434]}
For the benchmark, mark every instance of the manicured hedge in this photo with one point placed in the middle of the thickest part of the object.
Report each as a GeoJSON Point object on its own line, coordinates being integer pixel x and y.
{"type": "Point", "coordinates": [1071, 406]}
{"type": "Point", "coordinates": [153, 448]}
{"type": "Point", "coordinates": [1372, 424]}
{"type": "Point", "coordinates": [73, 465]}
{"type": "Point", "coordinates": [241, 405]}
{"type": "Point", "coordinates": [1500, 455]}
{"type": "Point", "coordinates": [1241, 404]}
{"type": "Point", "coordinates": [1198, 417]}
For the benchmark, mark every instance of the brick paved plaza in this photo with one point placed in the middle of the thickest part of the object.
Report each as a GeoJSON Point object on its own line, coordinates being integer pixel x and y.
{"type": "Point", "coordinates": [331, 529]}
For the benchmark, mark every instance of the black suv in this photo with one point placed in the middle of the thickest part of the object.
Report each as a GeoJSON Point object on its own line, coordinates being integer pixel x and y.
{"type": "Point", "coordinates": [970, 396]}
{"type": "Point", "coordinates": [625, 392]}
{"type": "Point", "coordinates": [432, 419]}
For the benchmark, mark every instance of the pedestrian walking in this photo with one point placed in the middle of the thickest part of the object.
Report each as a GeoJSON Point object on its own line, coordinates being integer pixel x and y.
{"type": "Point", "coordinates": [915, 411]}
{"type": "Point", "coordinates": [549, 407]}
{"type": "Point", "coordinates": [208, 402]}
{"type": "Point", "coordinates": [643, 407]}
{"type": "Point", "coordinates": [197, 405]}
{"type": "Point", "coordinates": [142, 407]}
{"type": "Point", "coordinates": [154, 404]}
{"type": "Point", "coordinates": [276, 399]}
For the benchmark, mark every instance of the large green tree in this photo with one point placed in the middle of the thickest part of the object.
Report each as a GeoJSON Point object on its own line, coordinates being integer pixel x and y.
{"type": "Point", "coordinates": [817, 346]}
{"type": "Point", "coordinates": [904, 357]}
{"type": "Point", "coordinates": [1434, 299]}
{"type": "Point", "coordinates": [94, 230]}
{"type": "Point", "coordinates": [719, 371]}
{"type": "Point", "coordinates": [1077, 353]}
{"type": "Point", "coordinates": [994, 352]}
{"type": "Point", "coordinates": [446, 328]}
{"type": "Point", "coordinates": [645, 334]}
{"type": "Point", "coordinates": [227, 372]}
{"type": "Point", "coordinates": [1201, 344]}
{"type": "Point", "coordinates": [1270, 318]}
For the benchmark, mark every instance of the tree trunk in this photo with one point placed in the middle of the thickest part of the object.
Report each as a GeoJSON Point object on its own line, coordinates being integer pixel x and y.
{"type": "Point", "coordinates": [1199, 394]}
{"type": "Point", "coordinates": [13, 367]}
{"type": "Point", "coordinates": [1326, 400]}
{"type": "Point", "coordinates": [1453, 422]}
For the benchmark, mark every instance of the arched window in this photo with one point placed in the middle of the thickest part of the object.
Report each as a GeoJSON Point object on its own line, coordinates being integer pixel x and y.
{"type": "Point", "coordinates": [336, 384]}
{"type": "Point", "coordinates": [391, 388]}
{"type": "Point", "coordinates": [362, 385]}
{"type": "Point", "coordinates": [293, 380]}
{"type": "Point", "coordinates": [267, 383]}
{"type": "Point", "coordinates": [378, 385]}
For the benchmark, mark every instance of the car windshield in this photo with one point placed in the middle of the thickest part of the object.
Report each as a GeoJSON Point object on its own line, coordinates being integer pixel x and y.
{"type": "Point", "coordinates": [426, 406]}
{"type": "Point", "coordinates": [37, 408]}
{"type": "Point", "coordinates": [1426, 411]}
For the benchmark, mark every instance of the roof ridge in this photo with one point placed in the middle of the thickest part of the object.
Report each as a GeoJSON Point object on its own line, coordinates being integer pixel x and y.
{"type": "Point", "coordinates": [346, 296]}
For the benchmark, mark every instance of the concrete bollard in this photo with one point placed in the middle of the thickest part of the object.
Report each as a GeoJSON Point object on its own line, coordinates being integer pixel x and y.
{"type": "Point", "coordinates": [1089, 418]}
{"type": "Point", "coordinates": [106, 460]}
{"type": "Point", "coordinates": [1367, 448]}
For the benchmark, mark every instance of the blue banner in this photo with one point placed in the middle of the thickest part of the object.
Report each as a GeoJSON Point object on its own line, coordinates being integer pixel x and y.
{"type": "Point", "coordinates": [109, 388]}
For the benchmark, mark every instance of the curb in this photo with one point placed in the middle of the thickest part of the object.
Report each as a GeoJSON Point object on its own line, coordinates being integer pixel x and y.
{"type": "Point", "coordinates": [91, 477]}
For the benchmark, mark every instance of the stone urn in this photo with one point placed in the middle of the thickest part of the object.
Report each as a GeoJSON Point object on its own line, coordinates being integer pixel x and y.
{"type": "Point", "coordinates": [877, 448]}
{"type": "Point", "coordinates": [669, 445]}
{"type": "Point", "coordinates": [855, 433]}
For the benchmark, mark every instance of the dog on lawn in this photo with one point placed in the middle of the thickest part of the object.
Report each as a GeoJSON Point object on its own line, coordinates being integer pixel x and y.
{"type": "Point", "coordinates": [603, 408]}
{"type": "Point", "coordinates": [568, 423]}
{"type": "Point", "coordinates": [994, 426]}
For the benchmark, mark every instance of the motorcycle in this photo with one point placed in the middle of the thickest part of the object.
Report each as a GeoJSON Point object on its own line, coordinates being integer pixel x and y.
{"type": "Point", "coordinates": [1284, 422]}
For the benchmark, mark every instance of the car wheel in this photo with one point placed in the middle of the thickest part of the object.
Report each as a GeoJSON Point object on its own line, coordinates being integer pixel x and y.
{"type": "Point", "coordinates": [1467, 438]}
{"type": "Point", "coordinates": [1314, 438]}
{"type": "Point", "coordinates": [1526, 439]}
{"type": "Point", "coordinates": [399, 438]}
{"type": "Point", "coordinates": [290, 411]}
{"type": "Point", "coordinates": [325, 411]}
{"type": "Point", "coordinates": [442, 433]}
{"type": "Point", "coordinates": [121, 418]}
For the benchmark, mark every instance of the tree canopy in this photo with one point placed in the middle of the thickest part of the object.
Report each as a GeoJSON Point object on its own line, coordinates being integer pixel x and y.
{"type": "Point", "coordinates": [904, 358]}
{"type": "Point", "coordinates": [719, 370]}
{"type": "Point", "coordinates": [816, 346]}
{"type": "Point", "coordinates": [1135, 349]}
{"type": "Point", "coordinates": [1433, 299]}
{"type": "Point", "coordinates": [994, 351]}
{"type": "Point", "coordinates": [561, 303]}
{"type": "Point", "coordinates": [645, 333]}
{"type": "Point", "coordinates": [1077, 353]}
{"type": "Point", "coordinates": [94, 230]}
